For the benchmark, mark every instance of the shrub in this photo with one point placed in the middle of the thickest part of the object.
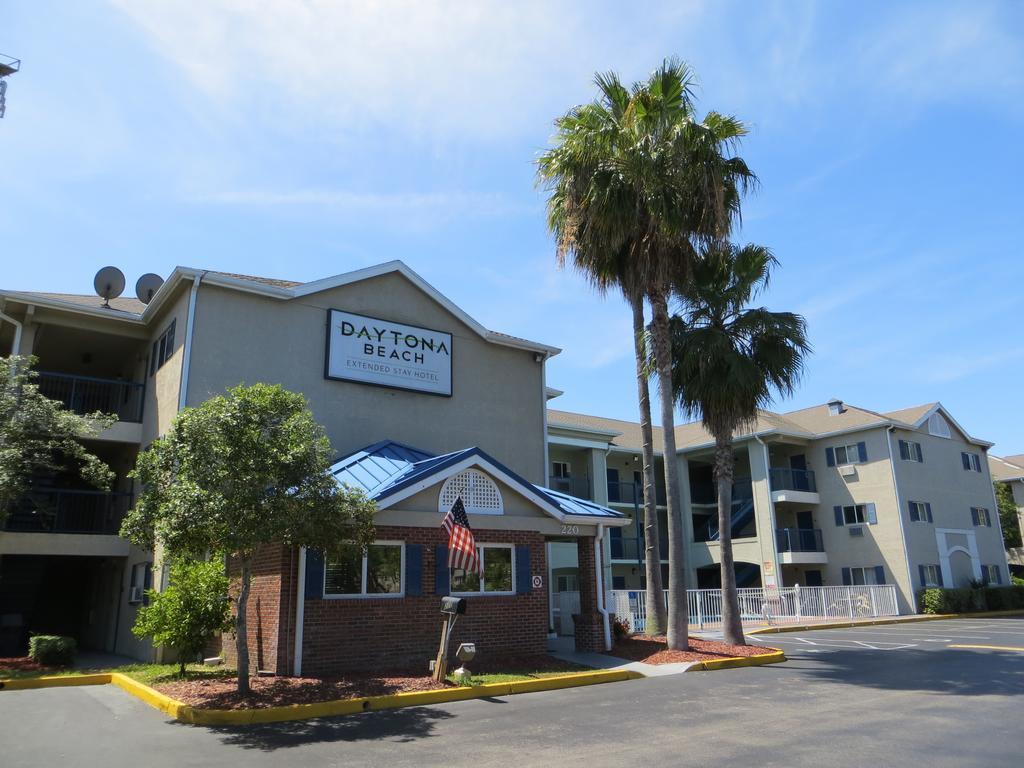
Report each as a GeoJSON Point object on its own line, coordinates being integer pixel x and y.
{"type": "Point", "coordinates": [189, 611]}
{"type": "Point", "coordinates": [52, 650]}
{"type": "Point", "coordinates": [621, 629]}
{"type": "Point", "coordinates": [968, 600]}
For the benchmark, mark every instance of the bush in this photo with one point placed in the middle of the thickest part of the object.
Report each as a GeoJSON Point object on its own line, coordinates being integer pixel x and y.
{"type": "Point", "coordinates": [52, 650]}
{"type": "Point", "coordinates": [621, 629]}
{"type": "Point", "coordinates": [189, 611]}
{"type": "Point", "coordinates": [968, 600]}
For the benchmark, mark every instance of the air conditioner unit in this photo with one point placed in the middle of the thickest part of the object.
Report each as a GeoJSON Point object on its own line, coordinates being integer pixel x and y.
{"type": "Point", "coordinates": [857, 531]}
{"type": "Point", "coordinates": [848, 470]}
{"type": "Point", "coordinates": [135, 594]}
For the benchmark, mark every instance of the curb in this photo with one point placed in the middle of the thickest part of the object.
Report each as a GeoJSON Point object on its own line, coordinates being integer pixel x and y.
{"type": "Point", "coordinates": [195, 716]}
{"type": "Point", "coordinates": [735, 662]}
{"type": "Point", "coordinates": [878, 622]}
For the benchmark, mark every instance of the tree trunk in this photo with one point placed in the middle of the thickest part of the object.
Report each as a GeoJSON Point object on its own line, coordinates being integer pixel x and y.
{"type": "Point", "coordinates": [241, 628]}
{"type": "Point", "coordinates": [678, 604]}
{"type": "Point", "coordinates": [655, 624]}
{"type": "Point", "coordinates": [732, 626]}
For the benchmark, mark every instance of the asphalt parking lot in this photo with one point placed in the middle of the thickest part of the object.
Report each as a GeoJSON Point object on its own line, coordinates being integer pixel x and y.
{"type": "Point", "coordinates": [894, 695]}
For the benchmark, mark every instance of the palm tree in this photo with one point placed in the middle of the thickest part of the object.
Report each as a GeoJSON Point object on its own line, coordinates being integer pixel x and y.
{"type": "Point", "coordinates": [583, 192]}
{"type": "Point", "coordinates": [727, 361]}
{"type": "Point", "coordinates": [639, 183]}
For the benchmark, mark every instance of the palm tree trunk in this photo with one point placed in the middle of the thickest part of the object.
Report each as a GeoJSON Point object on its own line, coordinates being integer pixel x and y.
{"type": "Point", "coordinates": [678, 605]}
{"type": "Point", "coordinates": [241, 628]}
{"type": "Point", "coordinates": [655, 624]}
{"type": "Point", "coordinates": [732, 626]}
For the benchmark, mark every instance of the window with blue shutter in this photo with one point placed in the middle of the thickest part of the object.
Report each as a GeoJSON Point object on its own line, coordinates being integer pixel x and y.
{"type": "Point", "coordinates": [523, 575]}
{"type": "Point", "coordinates": [879, 574]}
{"type": "Point", "coordinates": [912, 506]}
{"type": "Point", "coordinates": [965, 458]}
{"type": "Point", "coordinates": [830, 457]}
{"type": "Point", "coordinates": [839, 515]}
{"type": "Point", "coordinates": [862, 452]}
{"type": "Point", "coordinates": [413, 570]}
{"type": "Point", "coordinates": [847, 578]}
{"type": "Point", "coordinates": [442, 576]}
{"type": "Point", "coordinates": [928, 511]}
{"type": "Point", "coordinates": [904, 450]}
{"type": "Point", "coordinates": [314, 574]}
{"type": "Point", "coordinates": [922, 577]}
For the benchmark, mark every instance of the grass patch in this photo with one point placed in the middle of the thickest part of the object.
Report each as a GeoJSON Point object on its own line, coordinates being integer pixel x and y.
{"type": "Point", "coordinates": [148, 674]}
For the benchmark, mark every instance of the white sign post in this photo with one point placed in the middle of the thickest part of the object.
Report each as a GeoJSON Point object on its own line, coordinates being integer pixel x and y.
{"type": "Point", "coordinates": [387, 354]}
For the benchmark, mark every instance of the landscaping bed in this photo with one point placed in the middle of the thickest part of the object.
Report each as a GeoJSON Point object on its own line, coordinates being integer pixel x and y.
{"type": "Point", "coordinates": [654, 650]}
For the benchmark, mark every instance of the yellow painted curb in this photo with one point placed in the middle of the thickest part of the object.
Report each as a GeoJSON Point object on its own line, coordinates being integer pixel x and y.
{"type": "Point", "coordinates": [879, 622]}
{"type": "Point", "coordinates": [739, 661]}
{"type": "Point", "coordinates": [188, 714]}
{"type": "Point", "coordinates": [991, 647]}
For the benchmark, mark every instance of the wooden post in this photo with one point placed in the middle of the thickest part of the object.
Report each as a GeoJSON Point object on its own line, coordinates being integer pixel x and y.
{"type": "Point", "coordinates": [441, 662]}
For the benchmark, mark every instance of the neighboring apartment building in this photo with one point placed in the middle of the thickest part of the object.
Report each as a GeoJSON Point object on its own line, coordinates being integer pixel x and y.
{"type": "Point", "coordinates": [1010, 471]}
{"type": "Point", "coordinates": [421, 404]}
{"type": "Point", "coordinates": [829, 495]}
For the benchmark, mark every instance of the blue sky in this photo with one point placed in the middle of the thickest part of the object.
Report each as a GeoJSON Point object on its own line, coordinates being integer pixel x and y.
{"type": "Point", "coordinates": [298, 140]}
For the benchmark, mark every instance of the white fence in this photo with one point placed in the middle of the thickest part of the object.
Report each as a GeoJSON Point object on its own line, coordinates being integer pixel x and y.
{"type": "Point", "coordinates": [778, 605]}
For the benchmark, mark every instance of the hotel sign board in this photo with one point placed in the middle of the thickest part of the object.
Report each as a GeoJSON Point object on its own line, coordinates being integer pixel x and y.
{"type": "Point", "coordinates": [388, 354]}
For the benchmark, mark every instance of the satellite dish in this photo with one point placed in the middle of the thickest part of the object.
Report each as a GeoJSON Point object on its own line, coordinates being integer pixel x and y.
{"type": "Point", "coordinates": [109, 284]}
{"type": "Point", "coordinates": [147, 286]}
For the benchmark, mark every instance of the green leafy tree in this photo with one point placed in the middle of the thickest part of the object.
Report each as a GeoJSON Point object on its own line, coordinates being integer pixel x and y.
{"type": "Point", "coordinates": [193, 607]}
{"type": "Point", "coordinates": [637, 183]}
{"type": "Point", "coordinates": [239, 471]}
{"type": "Point", "coordinates": [1009, 518]}
{"type": "Point", "coordinates": [727, 361]}
{"type": "Point", "coordinates": [40, 435]}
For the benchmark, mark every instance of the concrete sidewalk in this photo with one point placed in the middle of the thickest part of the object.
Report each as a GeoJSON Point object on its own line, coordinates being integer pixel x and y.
{"type": "Point", "coordinates": [564, 648]}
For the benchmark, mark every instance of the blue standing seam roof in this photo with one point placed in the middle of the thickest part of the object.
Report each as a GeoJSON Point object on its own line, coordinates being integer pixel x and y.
{"type": "Point", "coordinates": [385, 468]}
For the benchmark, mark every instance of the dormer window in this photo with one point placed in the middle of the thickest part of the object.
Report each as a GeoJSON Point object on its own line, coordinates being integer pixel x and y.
{"type": "Point", "coordinates": [938, 426]}
{"type": "Point", "coordinates": [835, 407]}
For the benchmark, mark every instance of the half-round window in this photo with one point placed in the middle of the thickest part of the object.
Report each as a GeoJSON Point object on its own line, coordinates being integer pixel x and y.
{"type": "Point", "coordinates": [480, 494]}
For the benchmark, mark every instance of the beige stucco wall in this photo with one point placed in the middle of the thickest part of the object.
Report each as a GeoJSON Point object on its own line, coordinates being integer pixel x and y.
{"type": "Point", "coordinates": [497, 401]}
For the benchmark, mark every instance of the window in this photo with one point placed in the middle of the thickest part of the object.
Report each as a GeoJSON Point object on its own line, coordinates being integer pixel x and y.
{"type": "Point", "coordinates": [478, 492]}
{"type": "Point", "coordinates": [981, 517]}
{"type": "Point", "coordinates": [379, 572]}
{"type": "Point", "coordinates": [163, 348]}
{"type": "Point", "coordinates": [142, 579]}
{"type": "Point", "coordinates": [864, 576]}
{"type": "Point", "coordinates": [920, 511]}
{"type": "Point", "coordinates": [931, 575]}
{"type": "Point", "coordinates": [498, 578]}
{"type": "Point", "coordinates": [910, 451]}
{"type": "Point", "coordinates": [971, 461]}
{"type": "Point", "coordinates": [854, 453]}
{"type": "Point", "coordinates": [567, 583]}
{"type": "Point", "coordinates": [938, 426]}
{"type": "Point", "coordinates": [561, 469]}
{"type": "Point", "coordinates": [856, 514]}
{"type": "Point", "coordinates": [991, 574]}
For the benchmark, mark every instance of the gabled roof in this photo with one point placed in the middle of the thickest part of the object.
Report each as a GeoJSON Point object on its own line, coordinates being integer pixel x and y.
{"type": "Point", "coordinates": [135, 311]}
{"type": "Point", "coordinates": [389, 471]}
{"type": "Point", "coordinates": [1007, 468]}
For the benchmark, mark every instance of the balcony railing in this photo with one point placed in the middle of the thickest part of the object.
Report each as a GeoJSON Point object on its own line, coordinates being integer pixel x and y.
{"type": "Point", "coordinates": [783, 479]}
{"type": "Point", "coordinates": [86, 394]}
{"type": "Point", "coordinates": [799, 540]}
{"type": "Point", "coordinates": [632, 493]}
{"type": "Point", "coordinates": [59, 510]}
{"type": "Point", "coordinates": [632, 548]}
{"type": "Point", "coordinates": [574, 486]}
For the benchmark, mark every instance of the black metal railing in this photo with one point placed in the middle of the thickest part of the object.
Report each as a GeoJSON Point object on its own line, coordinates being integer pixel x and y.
{"type": "Point", "coordinates": [86, 394]}
{"type": "Point", "coordinates": [60, 510]}
{"type": "Point", "coordinates": [799, 540]}
{"type": "Point", "coordinates": [574, 486]}
{"type": "Point", "coordinates": [632, 493]}
{"type": "Point", "coordinates": [783, 479]}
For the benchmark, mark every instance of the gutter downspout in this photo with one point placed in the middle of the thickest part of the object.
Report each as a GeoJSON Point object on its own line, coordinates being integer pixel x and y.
{"type": "Point", "coordinates": [771, 509]}
{"type": "Point", "coordinates": [300, 611]}
{"type": "Point", "coordinates": [601, 607]}
{"type": "Point", "coordinates": [186, 360]}
{"type": "Point", "coordinates": [16, 348]}
{"type": "Point", "coordinates": [899, 516]}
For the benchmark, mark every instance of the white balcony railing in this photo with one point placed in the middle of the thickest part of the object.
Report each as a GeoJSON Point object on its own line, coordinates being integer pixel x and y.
{"type": "Point", "coordinates": [774, 605]}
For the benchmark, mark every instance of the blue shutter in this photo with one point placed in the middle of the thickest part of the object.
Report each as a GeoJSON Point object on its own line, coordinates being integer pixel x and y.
{"type": "Point", "coordinates": [920, 454]}
{"type": "Point", "coordinates": [879, 575]}
{"type": "Point", "coordinates": [147, 583]}
{"type": "Point", "coordinates": [920, 574]}
{"type": "Point", "coordinates": [442, 576]}
{"type": "Point", "coordinates": [862, 449]}
{"type": "Point", "coordinates": [998, 573]}
{"type": "Point", "coordinates": [839, 515]}
{"type": "Point", "coordinates": [928, 511]}
{"type": "Point", "coordinates": [847, 577]}
{"type": "Point", "coordinates": [830, 456]}
{"type": "Point", "coordinates": [974, 516]}
{"type": "Point", "coordinates": [939, 569]}
{"type": "Point", "coordinates": [870, 514]}
{"type": "Point", "coordinates": [966, 460]}
{"type": "Point", "coordinates": [523, 575]}
{"type": "Point", "coordinates": [913, 512]}
{"type": "Point", "coordinates": [904, 450]}
{"type": "Point", "coordinates": [413, 570]}
{"type": "Point", "coordinates": [314, 574]}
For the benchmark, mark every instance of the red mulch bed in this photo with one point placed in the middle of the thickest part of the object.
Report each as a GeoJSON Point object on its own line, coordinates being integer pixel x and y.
{"type": "Point", "coordinates": [22, 664]}
{"type": "Point", "coordinates": [221, 693]}
{"type": "Point", "coordinates": [654, 650]}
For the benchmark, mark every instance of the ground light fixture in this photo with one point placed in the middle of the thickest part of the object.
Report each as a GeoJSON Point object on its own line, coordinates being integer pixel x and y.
{"type": "Point", "coordinates": [466, 652]}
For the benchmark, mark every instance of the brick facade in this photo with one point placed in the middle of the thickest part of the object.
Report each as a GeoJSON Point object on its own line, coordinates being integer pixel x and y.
{"type": "Point", "coordinates": [588, 623]}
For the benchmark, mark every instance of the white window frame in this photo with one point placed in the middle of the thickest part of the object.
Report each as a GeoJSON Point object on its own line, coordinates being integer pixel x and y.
{"type": "Point", "coordinates": [864, 511]}
{"type": "Point", "coordinates": [482, 551]}
{"type": "Point", "coordinates": [973, 459]}
{"type": "Point", "coordinates": [932, 576]}
{"type": "Point", "coordinates": [922, 512]}
{"type": "Point", "coordinates": [864, 571]}
{"type": "Point", "coordinates": [987, 573]}
{"type": "Point", "coordinates": [846, 449]}
{"type": "Point", "coordinates": [140, 570]}
{"type": "Point", "coordinates": [364, 595]}
{"type": "Point", "coordinates": [982, 523]}
{"type": "Point", "coordinates": [913, 451]}
{"type": "Point", "coordinates": [563, 466]}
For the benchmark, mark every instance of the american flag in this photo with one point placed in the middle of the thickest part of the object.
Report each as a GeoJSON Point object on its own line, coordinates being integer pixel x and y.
{"type": "Point", "coordinates": [461, 545]}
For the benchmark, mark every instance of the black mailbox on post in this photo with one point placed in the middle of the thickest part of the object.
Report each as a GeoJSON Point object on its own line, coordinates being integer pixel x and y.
{"type": "Point", "coordinates": [453, 606]}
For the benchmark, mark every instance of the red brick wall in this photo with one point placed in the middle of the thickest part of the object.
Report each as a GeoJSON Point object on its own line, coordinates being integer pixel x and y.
{"type": "Point", "coordinates": [403, 633]}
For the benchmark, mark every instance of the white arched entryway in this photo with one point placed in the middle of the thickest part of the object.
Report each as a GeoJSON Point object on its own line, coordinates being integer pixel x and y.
{"type": "Point", "coordinates": [958, 556]}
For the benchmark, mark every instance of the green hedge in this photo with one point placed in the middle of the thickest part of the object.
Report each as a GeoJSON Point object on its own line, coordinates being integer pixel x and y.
{"type": "Point", "coordinates": [968, 600]}
{"type": "Point", "coordinates": [52, 650]}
